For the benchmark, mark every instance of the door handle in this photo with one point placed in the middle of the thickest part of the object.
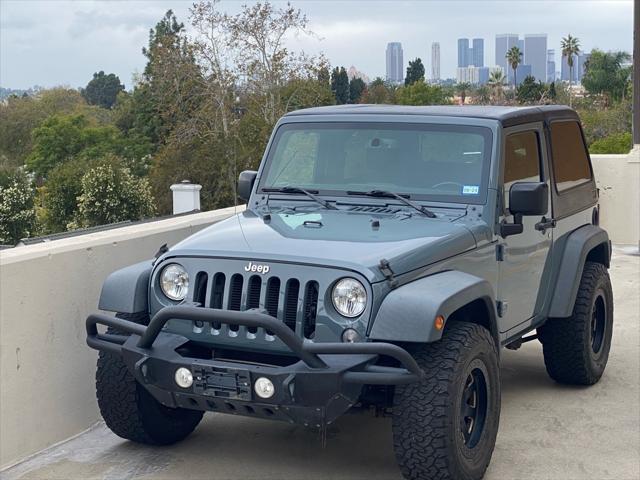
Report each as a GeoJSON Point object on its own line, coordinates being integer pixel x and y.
{"type": "Point", "coordinates": [544, 224]}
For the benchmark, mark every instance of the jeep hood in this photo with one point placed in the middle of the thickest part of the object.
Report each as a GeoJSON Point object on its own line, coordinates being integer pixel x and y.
{"type": "Point", "coordinates": [333, 239]}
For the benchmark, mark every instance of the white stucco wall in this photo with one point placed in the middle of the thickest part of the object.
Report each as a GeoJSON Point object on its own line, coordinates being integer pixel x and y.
{"type": "Point", "coordinates": [46, 292]}
{"type": "Point", "coordinates": [618, 178]}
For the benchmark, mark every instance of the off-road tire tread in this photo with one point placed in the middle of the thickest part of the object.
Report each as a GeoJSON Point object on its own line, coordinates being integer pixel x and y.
{"type": "Point", "coordinates": [426, 455]}
{"type": "Point", "coordinates": [121, 399]}
{"type": "Point", "coordinates": [563, 339]}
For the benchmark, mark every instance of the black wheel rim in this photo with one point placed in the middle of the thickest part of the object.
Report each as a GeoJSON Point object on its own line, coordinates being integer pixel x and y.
{"type": "Point", "coordinates": [598, 323]}
{"type": "Point", "coordinates": [473, 407]}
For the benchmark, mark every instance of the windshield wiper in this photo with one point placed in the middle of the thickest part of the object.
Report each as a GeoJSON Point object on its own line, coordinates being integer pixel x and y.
{"type": "Point", "coordinates": [310, 194]}
{"type": "Point", "coordinates": [386, 194]}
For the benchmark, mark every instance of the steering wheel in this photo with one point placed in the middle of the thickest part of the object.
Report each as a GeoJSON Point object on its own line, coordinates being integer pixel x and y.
{"type": "Point", "coordinates": [442, 184]}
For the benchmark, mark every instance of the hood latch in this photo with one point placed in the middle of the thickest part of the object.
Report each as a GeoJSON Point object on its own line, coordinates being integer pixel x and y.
{"type": "Point", "coordinates": [385, 268]}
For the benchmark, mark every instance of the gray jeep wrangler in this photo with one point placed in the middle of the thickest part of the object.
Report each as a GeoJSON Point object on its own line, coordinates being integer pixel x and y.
{"type": "Point", "coordinates": [385, 256]}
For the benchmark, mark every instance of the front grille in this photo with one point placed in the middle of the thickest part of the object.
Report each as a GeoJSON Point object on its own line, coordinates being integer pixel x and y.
{"type": "Point", "coordinates": [290, 300]}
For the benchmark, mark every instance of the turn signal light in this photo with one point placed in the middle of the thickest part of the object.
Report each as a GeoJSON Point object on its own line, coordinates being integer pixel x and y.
{"type": "Point", "coordinates": [439, 322]}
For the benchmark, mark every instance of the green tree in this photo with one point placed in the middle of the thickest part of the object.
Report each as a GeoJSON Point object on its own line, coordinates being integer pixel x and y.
{"type": "Point", "coordinates": [379, 92]}
{"type": "Point", "coordinates": [17, 210]}
{"type": "Point", "coordinates": [570, 49]}
{"type": "Point", "coordinates": [102, 89]}
{"type": "Point", "coordinates": [462, 89]}
{"type": "Point", "coordinates": [482, 95]}
{"type": "Point", "coordinates": [496, 83]}
{"type": "Point", "coordinates": [60, 195]}
{"type": "Point", "coordinates": [620, 143]}
{"type": "Point", "coordinates": [356, 89]}
{"type": "Point", "coordinates": [111, 193]}
{"type": "Point", "coordinates": [415, 72]}
{"type": "Point", "coordinates": [63, 137]}
{"type": "Point", "coordinates": [531, 92]}
{"type": "Point", "coordinates": [20, 115]}
{"type": "Point", "coordinates": [514, 58]}
{"type": "Point", "coordinates": [421, 93]}
{"type": "Point", "coordinates": [340, 85]}
{"type": "Point", "coordinates": [606, 76]}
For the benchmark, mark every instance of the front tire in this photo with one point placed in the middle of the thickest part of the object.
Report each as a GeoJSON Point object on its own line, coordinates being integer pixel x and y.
{"type": "Point", "coordinates": [576, 349]}
{"type": "Point", "coordinates": [445, 426]}
{"type": "Point", "coordinates": [130, 411]}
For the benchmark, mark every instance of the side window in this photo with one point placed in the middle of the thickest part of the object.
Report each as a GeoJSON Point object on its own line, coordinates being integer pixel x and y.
{"type": "Point", "coordinates": [570, 159]}
{"type": "Point", "coordinates": [521, 160]}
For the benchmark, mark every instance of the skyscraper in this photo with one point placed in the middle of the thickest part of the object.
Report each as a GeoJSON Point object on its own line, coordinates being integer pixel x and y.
{"type": "Point", "coordinates": [477, 53]}
{"type": "Point", "coordinates": [551, 65]}
{"type": "Point", "coordinates": [535, 54]}
{"type": "Point", "coordinates": [395, 62]}
{"type": "Point", "coordinates": [503, 43]}
{"type": "Point", "coordinates": [463, 52]}
{"type": "Point", "coordinates": [583, 58]}
{"type": "Point", "coordinates": [435, 62]}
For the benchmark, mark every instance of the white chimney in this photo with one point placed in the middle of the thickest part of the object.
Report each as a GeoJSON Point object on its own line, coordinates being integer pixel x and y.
{"type": "Point", "coordinates": [186, 197]}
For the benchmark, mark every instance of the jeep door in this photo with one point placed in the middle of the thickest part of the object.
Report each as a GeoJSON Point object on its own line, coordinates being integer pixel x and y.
{"type": "Point", "coordinates": [524, 255]}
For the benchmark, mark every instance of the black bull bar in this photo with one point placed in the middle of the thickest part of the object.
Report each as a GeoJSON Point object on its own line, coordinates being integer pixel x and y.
{"type": "Point", "coordinates": [326, 380]}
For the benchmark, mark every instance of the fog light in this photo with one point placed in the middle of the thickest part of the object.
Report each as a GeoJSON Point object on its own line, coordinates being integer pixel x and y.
{"type": "Point", "coordinates": [184, 377]}
{"type": "Point", "coordinates": [350, 336]}
{"type": "Point", "coordinates": [264, 388]}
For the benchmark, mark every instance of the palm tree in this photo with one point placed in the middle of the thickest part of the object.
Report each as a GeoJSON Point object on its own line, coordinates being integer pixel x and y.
{"type": "Point", "coordinates": [570, 49]}
{"type": "Point", "coordinates": [514, 57]}
{"type": "Point", "coordinates": [496, 83]}
{"type": "Point", "coordinates": [462, 88]}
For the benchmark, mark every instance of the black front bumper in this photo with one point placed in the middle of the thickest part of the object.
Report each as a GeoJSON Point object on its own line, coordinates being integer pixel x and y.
{"type": "Point", "coordinates": [323, 383]}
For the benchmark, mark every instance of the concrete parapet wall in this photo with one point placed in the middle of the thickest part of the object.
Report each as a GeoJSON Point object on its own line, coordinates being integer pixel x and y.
{"type": "Point", "coordinates": [46, 292]}
{"type": "Point", "coordinates": [618, 178]}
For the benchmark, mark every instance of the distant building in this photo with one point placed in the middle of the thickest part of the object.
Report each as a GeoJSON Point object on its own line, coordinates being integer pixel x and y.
{"type": "Point", "coordinates": [353, 72]}
{"type": "Point", "coordinates": [583, 58]}
{"type": "Point", "coordinates": [504, 42]}
{"type": "Point", "coordinates": [522, 45]}
{"type": "Point", "coordinates": [477, 53]}
{"type": "Point", "coordinates": [535, 54]}
{"type": "Point", "coordinates": [470, 56]}
{"type": "Point", "coordinates": [522, 72]}
{"type": "Point", "coordinates": [551, 65]}
{"type": "Point", "coordinates": [565, 71]}
{"type": "Point", "coordinates": [435, 62]}
{"type": "Point", "coordinates": [473, 75]}
{"type": "Point", "coordinates": [463, 52]}
{"type": "Point", "coordinates": [395, 62]}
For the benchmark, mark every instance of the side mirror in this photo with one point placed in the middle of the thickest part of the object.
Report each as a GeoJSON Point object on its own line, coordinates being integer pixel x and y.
{"type": "Point", "coordinates": [529, 198]}
{"type": "Point", "coordinates": [525, 198]}
{"type": "Point", "coordinates": [245, 184]}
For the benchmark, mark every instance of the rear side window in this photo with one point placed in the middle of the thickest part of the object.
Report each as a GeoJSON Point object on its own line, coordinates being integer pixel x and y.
{"type": "Point", "coordinates": [570, 159]}
{"type": "Point", "coordinates": [522, 160]}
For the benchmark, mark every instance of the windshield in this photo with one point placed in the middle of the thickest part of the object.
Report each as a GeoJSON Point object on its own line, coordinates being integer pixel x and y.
{"type": "Point", "coordinates": [447, 163]}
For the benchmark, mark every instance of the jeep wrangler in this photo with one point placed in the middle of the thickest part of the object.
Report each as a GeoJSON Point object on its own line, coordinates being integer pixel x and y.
{"type": "Point", "coordinates": [385, 256]}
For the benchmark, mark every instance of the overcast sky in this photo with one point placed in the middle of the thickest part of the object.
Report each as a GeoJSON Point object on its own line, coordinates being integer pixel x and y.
{"type": "Point", "coordinates": [54, 42]}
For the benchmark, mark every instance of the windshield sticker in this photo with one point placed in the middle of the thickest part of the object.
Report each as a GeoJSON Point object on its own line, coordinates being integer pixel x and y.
{"type": "Point", "coordinates": [470, 189]}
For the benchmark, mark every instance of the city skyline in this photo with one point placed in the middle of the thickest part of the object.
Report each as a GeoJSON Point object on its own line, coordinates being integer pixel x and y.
{"type": "Point", "coordinates": [93, 36]}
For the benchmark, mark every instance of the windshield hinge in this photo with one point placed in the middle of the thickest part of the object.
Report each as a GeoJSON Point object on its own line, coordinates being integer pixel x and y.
{"type": "Point", "coordinates": [500, 252]}
{"type": "Point", "coordinates": [385, 268]}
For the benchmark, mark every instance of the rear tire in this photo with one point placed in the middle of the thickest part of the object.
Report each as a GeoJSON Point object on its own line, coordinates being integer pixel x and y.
{"type": "Point", "coordinates": [576, 349]}
{"type": "Point", "coordinates": [130, 411]}
{"type": "Point", "coordinates": [445, 426]}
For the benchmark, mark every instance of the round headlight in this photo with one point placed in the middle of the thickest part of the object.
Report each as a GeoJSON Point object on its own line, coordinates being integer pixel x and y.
{"type": "Point", "coordinates": [174, 282]}
{"type": "Point", "coordinates": [349, 297]}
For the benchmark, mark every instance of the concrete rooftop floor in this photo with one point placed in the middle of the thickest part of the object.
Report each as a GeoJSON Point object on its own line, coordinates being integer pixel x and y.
{"type": "Point", "coordinates": [547, 431]}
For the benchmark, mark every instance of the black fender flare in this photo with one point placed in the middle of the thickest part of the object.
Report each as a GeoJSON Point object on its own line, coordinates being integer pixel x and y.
{"type": "Point", "coordinates": [407, 314]}
{"type": "Point", "coordinates": [574, 254]}
{"type": "Point", "coordinates": [126, 290]}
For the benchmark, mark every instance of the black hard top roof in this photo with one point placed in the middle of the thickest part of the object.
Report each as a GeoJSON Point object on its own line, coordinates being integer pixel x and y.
{"type": "Point", "coordinates": [506, 115]}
